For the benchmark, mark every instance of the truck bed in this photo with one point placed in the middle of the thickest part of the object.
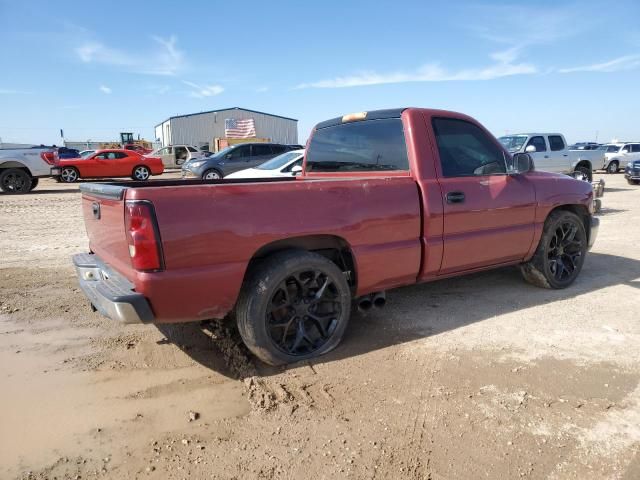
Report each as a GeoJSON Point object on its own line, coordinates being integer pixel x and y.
{"type": "Point", "coordinates": [210, 230]}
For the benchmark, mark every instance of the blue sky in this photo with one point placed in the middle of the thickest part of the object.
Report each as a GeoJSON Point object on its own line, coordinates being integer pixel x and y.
{"type": "Point", "coordinates": [98, 68]}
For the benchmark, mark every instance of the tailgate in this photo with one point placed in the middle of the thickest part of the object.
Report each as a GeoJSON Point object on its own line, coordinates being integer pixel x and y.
{"type": "Point", "coordinates": [103, 211]}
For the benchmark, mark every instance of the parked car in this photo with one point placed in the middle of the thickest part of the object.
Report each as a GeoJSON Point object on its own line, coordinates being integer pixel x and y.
{"type": "Point", "coordinates": [86, 153]}
{"type": "Point", "coordinates": [584, 146]}
{"type": "Point", "coordinates": [550, 154]}
{"type": "Point", "coordinates": [108, 164]}
{"type": "Point", "coordinates": [64, 152]}
{"type": "Point", "coordinates": [288, 164]}
{"type": "Point", "coordinates": [232, 159]}
{"type": "Point", "coordinates": [374, 209]}
{"type": "Point", "coordinates": [20, 168]}
{"type": "Point", "coordinates": [632, 172]}
{"type": "Point", "coordinates": [174, 156]}
{"type": "Point", "coordinates": [618, 155]}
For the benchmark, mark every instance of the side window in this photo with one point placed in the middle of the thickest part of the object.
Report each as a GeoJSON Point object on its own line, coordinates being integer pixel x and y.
{"type": "Point", "coordinates": [539, 143]}
{"type": "Point", "coordinates": [240, 152]}
{"type": "Point", "coordinates": [191, 149]}
{"type": "Point", "coordinates": [370, 145]}
{"type": "Point", "coordinates": [120, 155]}
{"type": "Point", "coordinates": [625, 149]}
{"type": "Point", "coordinates": [261, 150]}
{"type": "Point", "coordinates": [465, 150]}
{"type": "Point", "coordinates": [556, 143]}
{"type": "Point", "coordinates": [101, 156]}
{"type": "Point", "coordinates": [635, 148]}
{"type": "Point", "coordinates": [297, 163]}
{"type": "Point", "coordinates": [278, 149]}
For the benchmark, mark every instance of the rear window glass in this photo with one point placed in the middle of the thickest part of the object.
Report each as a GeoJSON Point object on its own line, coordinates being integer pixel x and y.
{"type": "Point", "coordinates": [556, 143]}
{"type": "Point", "coordinates": [372, 145]}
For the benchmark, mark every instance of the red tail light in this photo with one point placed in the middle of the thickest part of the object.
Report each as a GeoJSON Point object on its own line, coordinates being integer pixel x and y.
{"type": "Point", "coordinates": [50, 157]}
{"type": "Point", "coordinates": [143, 236]}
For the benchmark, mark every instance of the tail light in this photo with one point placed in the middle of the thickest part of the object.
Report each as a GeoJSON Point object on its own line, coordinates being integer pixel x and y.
{"type": "Point", "coordinates": [143, 236]}
{"type": "Point", "coordinates": [50, 157]}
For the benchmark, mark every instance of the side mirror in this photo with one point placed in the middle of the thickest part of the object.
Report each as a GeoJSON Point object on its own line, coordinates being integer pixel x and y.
{"type": "Point", "coordinates": [297, 170]}
{"type": "Point", "coordinates": [530, 149]}
{"type": "Point", "coordinates": [521, 163]}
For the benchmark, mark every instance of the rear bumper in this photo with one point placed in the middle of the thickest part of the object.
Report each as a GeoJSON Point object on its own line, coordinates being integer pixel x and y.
{"type": "Point", "coordinates": [110, 293]}
{"type": "Point", "coordinates": [595, 226]}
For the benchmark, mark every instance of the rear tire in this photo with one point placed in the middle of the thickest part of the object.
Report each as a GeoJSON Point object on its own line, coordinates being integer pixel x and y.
{"type": "Point", "coordinates": [560, 253]}
{"type": "Point", "coordinates": [582, 173]}
{"type": "Point", "coordinates": [295, 305]}
{"type": "Point", "coordinates": [141, 173]}
{"type": "Point", "coordinates": [34, 183]}
{"type": "Point", "coordinates": [69, 175]}
{"type": "Point", "coordinates": [15, 181]}
{"type": "Point", "coordinates": [612, 167]}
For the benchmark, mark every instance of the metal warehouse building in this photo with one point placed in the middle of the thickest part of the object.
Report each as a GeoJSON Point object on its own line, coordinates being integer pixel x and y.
{"type": "Point", "coordinates": [202, 128]}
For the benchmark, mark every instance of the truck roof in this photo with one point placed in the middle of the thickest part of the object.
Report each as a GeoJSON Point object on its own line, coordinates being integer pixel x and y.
{"type": "Point", "coordinates": [533, 134]}
{"type": "Point", "coordinates": [386, 113]}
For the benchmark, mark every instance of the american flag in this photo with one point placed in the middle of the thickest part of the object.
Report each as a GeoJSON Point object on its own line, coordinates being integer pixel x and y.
{"type": "Point", "coordinates": [239, 128]}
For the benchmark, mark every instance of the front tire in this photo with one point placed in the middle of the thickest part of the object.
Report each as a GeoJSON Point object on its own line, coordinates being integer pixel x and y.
{"type": "Point", "coordinates": [633, 182]}
{"type": "Point", "coordinates": [560, 253]}
{"type": "Point", "coordinates": [612, 167]}
{"type": "Point", "coordinates": [69, 175]}
{"type": "Point", "coordinates": [211, 174]}
{"type": "Point", "coordinates": [34, 183]}
{"type": "Point", "coordinates": [15, 181]}
{"type": "Point", "coordinates": [141, 173]}
{"type": "Point", "coordinates": [295, 305]}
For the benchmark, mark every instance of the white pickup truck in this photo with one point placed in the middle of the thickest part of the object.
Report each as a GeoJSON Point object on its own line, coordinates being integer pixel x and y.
{"type": "Point", "coordinates": [20, 168]}
{"type": "Point", "coordinates": [550, 154]}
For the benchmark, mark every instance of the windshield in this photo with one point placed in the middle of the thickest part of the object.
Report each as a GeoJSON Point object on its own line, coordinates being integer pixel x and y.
{"type": "Point", "coordinates": [279, 161]}
{"type": "Point", "coordinates": [610, 148]}
{"type": "Point", "coordinates": [513, 143]}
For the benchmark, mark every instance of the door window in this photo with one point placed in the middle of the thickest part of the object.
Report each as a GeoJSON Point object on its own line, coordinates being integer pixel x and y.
{"type": "Point", "coordinates": [191, 149]}
{"type": "Point", "coordinates": [556, 143]}
{"type": "Point", "coordinates": [240, 152]}
{"type": "Point", "coordinates": [625, 149]}
{"type": "Point", "coordinates": [261, 150]}
{"type": "Point", "coordinates": [635, 148]}
{"type": "Point", "coordinates": [539, 143]}
{"type": "Point", "coordinates": [465, 150]}
{"type": "Point", "coordinates": [108, 156]}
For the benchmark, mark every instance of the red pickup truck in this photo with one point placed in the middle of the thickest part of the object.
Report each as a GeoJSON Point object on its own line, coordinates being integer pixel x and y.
{"type": "Point", "coordinates": [386, 198]}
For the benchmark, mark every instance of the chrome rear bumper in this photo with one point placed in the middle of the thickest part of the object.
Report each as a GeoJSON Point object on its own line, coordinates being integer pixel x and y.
{"type": "Point", "coordinates": [110, 293]}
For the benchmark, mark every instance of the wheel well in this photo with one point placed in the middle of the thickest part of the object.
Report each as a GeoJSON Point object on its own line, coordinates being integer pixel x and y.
{"type": "Point", "coordinates": [14, 164]}
{"type": "Point", "coordinates": [332, 247]}
{"type": "Point", "coordinates": [581, 211]}
{"type": "Point", "coordinates": [141, 165]}
{"type": "Point", "coordinates": [215, 170]}
{"type": "Point", "coordinates": [584, 163]}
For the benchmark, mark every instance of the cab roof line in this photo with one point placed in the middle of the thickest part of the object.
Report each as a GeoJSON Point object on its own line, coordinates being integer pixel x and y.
{"type": "Point", "coordinates": [370, 115]}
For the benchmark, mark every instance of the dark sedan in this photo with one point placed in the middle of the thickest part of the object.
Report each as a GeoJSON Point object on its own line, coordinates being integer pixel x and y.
{"type": "Point", "coordinates": [632, 172]}
{"type": "Point", "coordinates": [232, 159]}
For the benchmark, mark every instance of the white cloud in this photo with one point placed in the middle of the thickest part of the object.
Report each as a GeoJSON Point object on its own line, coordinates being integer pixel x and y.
{"type": "Point", "coordinates": [10, 91]}
{"type": "Point", "coordinates": [628, 62]}
{"type": "Point", "coordinates": [200, 91]}
{"type": "Point", "coordinates": [105, 89]}
{"type": "Point", "coordinates": [503, 67]}
{"type": "Point", "coordinates": [167, 59]}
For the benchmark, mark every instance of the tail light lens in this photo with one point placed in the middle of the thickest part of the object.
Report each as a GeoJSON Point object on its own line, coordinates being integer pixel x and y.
{"type": "Point", "coordinates": [143, 236]}
{"type": "Point", "coordinates": [50, 157]}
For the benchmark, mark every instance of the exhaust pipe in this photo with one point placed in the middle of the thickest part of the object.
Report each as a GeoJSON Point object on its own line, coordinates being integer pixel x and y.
{"type": "Point", "coordinates": [365, 303]}
{"type": "Point", "coordinates": [379, 299]}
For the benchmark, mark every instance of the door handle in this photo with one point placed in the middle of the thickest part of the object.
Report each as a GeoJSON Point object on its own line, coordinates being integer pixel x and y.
{"type": "Point", "coordinates": [546, 156]}
{"type": "Point", "coordinates": [455, 197]}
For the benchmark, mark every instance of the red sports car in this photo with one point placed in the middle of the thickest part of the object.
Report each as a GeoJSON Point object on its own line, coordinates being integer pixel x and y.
{"type": "Point", "coordinates": [108, 163]}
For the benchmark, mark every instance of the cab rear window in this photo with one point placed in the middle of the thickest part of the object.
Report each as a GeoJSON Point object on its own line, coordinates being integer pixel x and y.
{"type": "Point", "coordinates": [372, 145]}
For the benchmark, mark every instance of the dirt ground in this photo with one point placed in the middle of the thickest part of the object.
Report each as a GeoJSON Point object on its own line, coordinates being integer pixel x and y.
{"type": "Point", "coordinates": [476, 377]}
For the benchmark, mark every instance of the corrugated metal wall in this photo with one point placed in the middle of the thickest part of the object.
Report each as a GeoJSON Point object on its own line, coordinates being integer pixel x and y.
{"type": "Point", "coordinates": [203, 128]}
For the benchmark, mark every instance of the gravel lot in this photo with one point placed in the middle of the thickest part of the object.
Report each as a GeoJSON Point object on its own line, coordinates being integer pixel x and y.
{"type": "Point", "coordinates": [476, 377]}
